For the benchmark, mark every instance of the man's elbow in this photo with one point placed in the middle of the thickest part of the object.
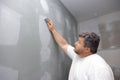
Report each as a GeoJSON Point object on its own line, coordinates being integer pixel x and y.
{"type": "Point", "coordinates": [64, 48]}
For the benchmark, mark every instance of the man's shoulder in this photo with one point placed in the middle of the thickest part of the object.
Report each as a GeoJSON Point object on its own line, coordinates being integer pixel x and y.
{"type": "Point", "coordinates": [70, 52]}
{"type": "Point", "coordinates": [98, 61]}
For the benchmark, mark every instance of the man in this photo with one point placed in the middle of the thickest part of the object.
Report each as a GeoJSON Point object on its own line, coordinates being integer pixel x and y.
{"type": "Point", "coordinates": [86, 64]}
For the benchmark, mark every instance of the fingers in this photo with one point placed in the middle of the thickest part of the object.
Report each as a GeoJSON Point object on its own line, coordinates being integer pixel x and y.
{"type": "Point", "coordinates": [49, 22]}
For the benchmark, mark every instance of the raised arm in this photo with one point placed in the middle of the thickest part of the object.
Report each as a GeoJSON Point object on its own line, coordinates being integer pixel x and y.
{"type": "Point", "coordinates": [58, 38]}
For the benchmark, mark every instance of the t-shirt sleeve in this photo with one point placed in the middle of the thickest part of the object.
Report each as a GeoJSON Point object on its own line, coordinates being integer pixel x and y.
{"type": "Point", "coordinates": [70, 52]}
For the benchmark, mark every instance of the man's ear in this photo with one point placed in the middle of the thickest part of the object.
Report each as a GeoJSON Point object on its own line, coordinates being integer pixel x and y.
{"type": "Point", "coordinates": [87, 49]}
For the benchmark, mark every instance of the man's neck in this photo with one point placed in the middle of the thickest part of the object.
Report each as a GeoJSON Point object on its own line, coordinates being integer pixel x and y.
{"type": "Point", "coordinates": [85, 55]}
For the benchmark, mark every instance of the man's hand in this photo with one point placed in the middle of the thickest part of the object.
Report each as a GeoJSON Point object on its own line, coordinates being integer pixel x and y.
{"type": "Point", "coordinates": [49, 24]}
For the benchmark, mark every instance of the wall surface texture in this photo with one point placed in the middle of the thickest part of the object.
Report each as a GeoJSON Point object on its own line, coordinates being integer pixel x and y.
{"type": "Point", "coordinates": [27, 48]}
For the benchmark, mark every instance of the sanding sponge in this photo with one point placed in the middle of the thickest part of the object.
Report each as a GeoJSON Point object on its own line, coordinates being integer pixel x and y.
{"type": "Point", "coordinates": [46, 20]}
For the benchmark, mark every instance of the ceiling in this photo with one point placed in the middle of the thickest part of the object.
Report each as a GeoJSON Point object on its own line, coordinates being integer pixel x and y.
{"type": "Point", "coordinates": [84, 10]}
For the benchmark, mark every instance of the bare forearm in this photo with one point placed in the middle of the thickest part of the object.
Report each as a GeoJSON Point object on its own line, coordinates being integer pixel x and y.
{"type": "Point", "coordinates": [59, 39]}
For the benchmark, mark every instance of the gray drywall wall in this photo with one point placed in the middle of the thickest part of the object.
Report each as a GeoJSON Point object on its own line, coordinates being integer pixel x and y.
{"type": "Point", "coordinates": [27, 48]}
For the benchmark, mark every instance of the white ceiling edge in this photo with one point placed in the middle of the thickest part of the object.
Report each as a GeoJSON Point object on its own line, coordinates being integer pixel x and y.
{"type": "Point", "coordinates": [84, 10]}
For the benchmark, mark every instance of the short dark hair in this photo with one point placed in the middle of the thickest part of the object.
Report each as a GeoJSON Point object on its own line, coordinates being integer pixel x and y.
{"type": "Point", "coordinates": [91, 40]}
